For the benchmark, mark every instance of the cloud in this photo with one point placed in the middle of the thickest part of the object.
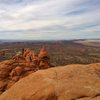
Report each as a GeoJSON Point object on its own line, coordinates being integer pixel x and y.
{"type": "Point", "coordinates": [49, 19]}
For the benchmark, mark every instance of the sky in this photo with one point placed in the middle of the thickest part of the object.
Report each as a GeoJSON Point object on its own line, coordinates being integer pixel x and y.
{"type": "Point", "coordinates": [49, 19]}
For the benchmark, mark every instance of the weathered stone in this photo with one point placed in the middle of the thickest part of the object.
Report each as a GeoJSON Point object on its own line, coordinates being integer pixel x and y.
{"type": "Point", "coordinates": [21, 65]}
{"type": "Point", "coordinates": [43, 53]}
{"type": "Point", "coordinates": [71, 82]}
{"type": "Point", "coordinates": [15, 78]}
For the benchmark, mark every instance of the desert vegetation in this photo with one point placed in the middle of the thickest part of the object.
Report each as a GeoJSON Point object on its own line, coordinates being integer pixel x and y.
{"type": "Point", "coordinates": [60, 52]}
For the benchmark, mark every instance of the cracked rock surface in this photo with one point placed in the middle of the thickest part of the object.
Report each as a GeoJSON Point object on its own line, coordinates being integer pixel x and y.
{"type": "Point", "coordinates": [71, 82]}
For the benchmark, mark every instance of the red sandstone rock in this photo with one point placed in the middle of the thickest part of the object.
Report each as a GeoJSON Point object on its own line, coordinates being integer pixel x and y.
{"type": "Point", "coordinates": [71, 82]}
{"type": "Point", "coordinates": [28, 55]}
{"type": "Point", "coordinates": [21, 65]}
{"type": "Point", "coordinates": [43, 53]}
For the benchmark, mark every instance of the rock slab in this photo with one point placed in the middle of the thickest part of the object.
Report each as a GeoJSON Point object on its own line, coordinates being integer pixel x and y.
{"type": "Point", "coordinates": [71, 82]}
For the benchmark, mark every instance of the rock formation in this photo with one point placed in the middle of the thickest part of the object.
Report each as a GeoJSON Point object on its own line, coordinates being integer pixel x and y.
{"type": "Point", "coordinates": [21, 65]}
{"type": "Point", "coordinates": [44, 59]}
{"type": "Point", "coordinates": [43, 53]}
{"type": "Point", "coordinates": [71, 82]}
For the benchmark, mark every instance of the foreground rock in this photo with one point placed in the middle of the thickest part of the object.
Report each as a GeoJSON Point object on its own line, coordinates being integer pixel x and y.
{"type": "Point", "coordinates": [72, 82]}
{"type": "Point", "coordinates": [21, 65]}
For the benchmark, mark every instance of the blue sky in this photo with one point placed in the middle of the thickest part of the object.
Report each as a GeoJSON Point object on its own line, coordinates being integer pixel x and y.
{"type": "Point", "coordinates": [49, 19]}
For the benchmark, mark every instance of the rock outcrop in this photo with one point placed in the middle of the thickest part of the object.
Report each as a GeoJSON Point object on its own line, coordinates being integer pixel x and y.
{"type": "Point", "coordinates": [71, 82]}
{"type": "Point", "coordinates": [21, 65]}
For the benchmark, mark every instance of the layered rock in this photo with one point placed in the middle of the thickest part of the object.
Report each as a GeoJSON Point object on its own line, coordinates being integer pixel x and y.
{"type": "Point", "coordinates": [21, 65]}
{"type": "Point", "coordinates": [71, 82]}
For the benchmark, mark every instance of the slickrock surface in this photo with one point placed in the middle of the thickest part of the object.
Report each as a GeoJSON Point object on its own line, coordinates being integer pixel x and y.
{"type": "Point", "coordinates": [21, 65]}
{"type": "Point", "coordinates": [71, 82]}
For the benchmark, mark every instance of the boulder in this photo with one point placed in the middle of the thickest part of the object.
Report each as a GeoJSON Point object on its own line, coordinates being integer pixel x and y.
{"type": "Point", "coordinates": [71, 82]}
